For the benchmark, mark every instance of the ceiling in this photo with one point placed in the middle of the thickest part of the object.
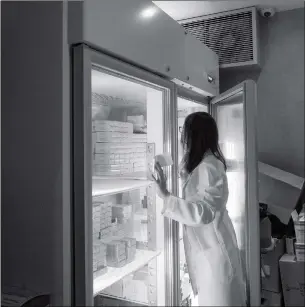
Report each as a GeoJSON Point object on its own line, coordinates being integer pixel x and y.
{"type": "Point", "coordinates": [186, 9]}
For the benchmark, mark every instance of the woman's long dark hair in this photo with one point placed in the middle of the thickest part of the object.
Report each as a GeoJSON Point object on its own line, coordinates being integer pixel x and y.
{"type": "Point", "coordinates": [199, 136]}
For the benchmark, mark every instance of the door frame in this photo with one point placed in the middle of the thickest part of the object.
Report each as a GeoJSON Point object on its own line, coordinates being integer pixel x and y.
{"type": "Point", "coordinates": [188, 94]}
{"type": "Point", "coordinates": [83, 57]}
{"type": "Point", "coordinates": [249, 93]}
{"type": "Point", "coordinates": [191, 95]}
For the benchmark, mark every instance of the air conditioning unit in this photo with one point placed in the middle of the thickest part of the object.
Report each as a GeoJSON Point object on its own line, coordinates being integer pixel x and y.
{"type": "Point", "coordinates": [233, 35]}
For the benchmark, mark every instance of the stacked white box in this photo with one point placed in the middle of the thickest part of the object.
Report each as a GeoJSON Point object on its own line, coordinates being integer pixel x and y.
{"type": "Point", "coordinates": [119, 137]}
{"type": "Point", "coordinates": [130, 245]}
{"type": "Point", "coordinates": [118, 159]}
{"type": "Point", "coordinates": [131, 287]}
{"type": "Point", "coordinates": [140, 226]}
{"type": "Point", "coordinates": [117, 230]}
{"type": "Point", "coordinates": [142, 192]}
{"type": "Point", "coordinates": [113, 170]}
{"type": "Point", "coordinates": [116, 150]}
{"type": "Point", "coordinates": [122, 212]}
{"type": "Point", "coordinates": [106, 215]}
{"type": "Point", "coordinates": [139, 164]}
{"type": "Point", "coordinates": [120, 148]}
{"type": "Point", "coordinates": [139, 138]}
{"type": "Point", "coordinates": [137, 290]}
{"type": "Point", "coordinates": [99, 256]}
{"type": "Point", "coordinates": [136, 119]}
{"type": "Point", "coordinates": [106, 233]}
{"type": "Point", "coordinates": [96, 220]}
{"type": "Point", "coordinates": [120, 252]}
{"type": "Point", "coordinates": [93, 142]}
{"type": "Point", "coordinates": [101, 220]}
{"type": "Point", "coordinates": [116, 253]}
{"type": "Point", "coordinates": [113, 159]}
{"type": "Point", "coordinates": [118, 289]}
{"type": "Point", "coordinates": [130, 242]}
{"type": "Point", "coordinates": [139, 123]}
{"type": "Point", "coordinates": [119, 169]}
{"type": "Point", "coordinates": [133, 198]}
{"type": "Point", "coordinates": [111, 126]}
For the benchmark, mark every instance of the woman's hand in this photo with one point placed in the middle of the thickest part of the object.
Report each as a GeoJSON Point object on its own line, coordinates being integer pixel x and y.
{"type": "Point", "coordinates": [161, 181]}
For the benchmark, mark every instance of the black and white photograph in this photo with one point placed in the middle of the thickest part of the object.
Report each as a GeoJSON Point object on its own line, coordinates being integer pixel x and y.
{"type": "Point", "coordinates": [152, 153]}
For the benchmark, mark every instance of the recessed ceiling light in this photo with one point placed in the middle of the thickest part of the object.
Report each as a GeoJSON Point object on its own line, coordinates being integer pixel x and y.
{"type": "Point", "coordinates": [149, 12]}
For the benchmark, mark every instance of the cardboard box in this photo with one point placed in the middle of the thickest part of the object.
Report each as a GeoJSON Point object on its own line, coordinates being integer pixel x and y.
{"type": "Point", "coordinates": [290, 246]}
{"type": "Point", "coordinates": [271, 298]}
{"type": "Point", "coordinates": [278, 189]}
{"type": "Point", "coordinates": [292, 276]}
{"type": "Point", "coordinates": [270, 261]}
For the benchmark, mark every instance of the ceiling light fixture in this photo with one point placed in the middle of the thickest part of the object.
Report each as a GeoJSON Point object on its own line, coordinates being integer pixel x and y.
{"type": "Point", "coordinates": [149, 12]}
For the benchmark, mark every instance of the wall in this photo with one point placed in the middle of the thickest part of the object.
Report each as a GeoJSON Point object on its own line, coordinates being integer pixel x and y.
{"type": "Point", "coordinates": [34, 116]}
{"type": "Point", "coordinates": [280, 91]}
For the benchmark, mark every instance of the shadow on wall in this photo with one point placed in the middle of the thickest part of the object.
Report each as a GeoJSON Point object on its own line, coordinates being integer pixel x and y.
{"type": "Point", "coordinates": [280, 90]}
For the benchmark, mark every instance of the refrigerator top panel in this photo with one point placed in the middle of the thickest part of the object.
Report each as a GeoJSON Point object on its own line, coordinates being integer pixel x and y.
{"type": "Point", "coordinates": [141, 33]}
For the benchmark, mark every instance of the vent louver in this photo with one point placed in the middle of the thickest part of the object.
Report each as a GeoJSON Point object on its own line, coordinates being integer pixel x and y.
{"type": "Point", "coordinates": [232, 35]}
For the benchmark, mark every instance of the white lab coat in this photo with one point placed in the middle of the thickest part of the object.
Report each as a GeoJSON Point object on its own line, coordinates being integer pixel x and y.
{"type": "Point", "coordinates": [211, 250]}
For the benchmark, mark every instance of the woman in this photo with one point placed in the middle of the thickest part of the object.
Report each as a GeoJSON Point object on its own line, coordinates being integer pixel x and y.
{"type": "Point", "coordinates": [210, 242]}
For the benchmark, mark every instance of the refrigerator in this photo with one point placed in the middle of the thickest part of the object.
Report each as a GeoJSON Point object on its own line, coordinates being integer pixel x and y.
{"type": "Point", "coordinates": [125, 253]}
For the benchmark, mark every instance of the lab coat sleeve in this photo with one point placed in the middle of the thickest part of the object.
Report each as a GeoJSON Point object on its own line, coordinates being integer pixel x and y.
{"type": "Point", "coordinates": [199, 208]}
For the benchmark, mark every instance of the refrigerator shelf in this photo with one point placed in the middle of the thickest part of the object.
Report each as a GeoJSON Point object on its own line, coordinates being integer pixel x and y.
{"type": "Point", "coordinates": [125, 300]}
{"type": "Point", "coordinates": [131, 176]}
{"type": "Point", "coordinates": [109, 186]}
{"type": "Point", "coordinates": [113, 275]}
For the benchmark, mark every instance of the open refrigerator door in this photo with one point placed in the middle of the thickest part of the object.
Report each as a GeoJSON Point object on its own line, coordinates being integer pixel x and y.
{"type": "Point", "coordinates": [234, 112]}
{"type": "Point", "coordinates": [126, 123]}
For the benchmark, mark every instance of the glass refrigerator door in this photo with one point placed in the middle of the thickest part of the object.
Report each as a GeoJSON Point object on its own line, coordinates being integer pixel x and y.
{"type": "Point", "coordinates": [187, 102]}
{"type": "Point", "coordinates": [121, 118]}
{"type": "Point", "coordinates": [235, 113]}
